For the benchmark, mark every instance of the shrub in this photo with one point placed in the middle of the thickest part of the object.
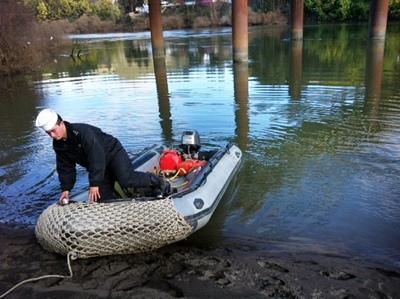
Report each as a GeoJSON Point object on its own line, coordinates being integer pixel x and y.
{"type": "Point", "coordinates": [173, 22]}
{"type": "Point", "coordinates": [201, 22]}
{"type": "Point", "coordinates": [255, 18]}
{"type": "Point", "coordinates": [273, 17]}
{"type": "Point", "coordinates": [61, 26]}
{"type": "Point", "coordinates": [24, 43]}
{"type": "Point", "coordinates": [86, 24]}
{"type": "Point", "coordinates": [140, 23]}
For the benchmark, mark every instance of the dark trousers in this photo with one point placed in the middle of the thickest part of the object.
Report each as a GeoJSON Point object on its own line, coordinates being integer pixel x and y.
{"type": "Point", "coordinates": [120, 169]}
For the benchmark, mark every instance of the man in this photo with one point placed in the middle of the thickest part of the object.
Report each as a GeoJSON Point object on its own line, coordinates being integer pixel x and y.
{"type": "Point", "coordinates": [101, 154]}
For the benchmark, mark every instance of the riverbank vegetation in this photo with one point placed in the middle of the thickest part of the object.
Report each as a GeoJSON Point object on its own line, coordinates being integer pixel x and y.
{"type": "Point", "coordinates": [121, 12]}
{"type": "Point", "coordinates": [32, 30]}
{"type": "Point", "coordinates": [25, 44]}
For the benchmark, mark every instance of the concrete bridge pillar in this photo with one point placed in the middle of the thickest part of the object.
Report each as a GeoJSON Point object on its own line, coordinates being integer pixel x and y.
{"type": "Point", "coordinates": [378, 16]}
{"type": "Point", "coordinates": [156, 29]}
{"type": "Point", "coordinates": [296, 19]}
{"type": "Point", "coordinates": [240, 30]}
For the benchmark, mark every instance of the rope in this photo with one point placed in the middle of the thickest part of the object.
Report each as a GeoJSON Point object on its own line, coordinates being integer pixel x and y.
{"type": "Point", "coordinates": [177, 173]}
{"type": "Point", "coordinates": [69, 258]}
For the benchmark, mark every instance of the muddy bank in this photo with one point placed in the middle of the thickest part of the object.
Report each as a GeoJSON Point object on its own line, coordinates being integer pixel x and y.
{"type": "Point", "coordinates": [180, 271]}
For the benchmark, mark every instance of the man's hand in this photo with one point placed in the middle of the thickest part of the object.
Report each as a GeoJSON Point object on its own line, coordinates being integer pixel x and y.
{"type": "Point", "coordinates": [94, 194]}
{"type": "Point", "coordinates": [65, 194]}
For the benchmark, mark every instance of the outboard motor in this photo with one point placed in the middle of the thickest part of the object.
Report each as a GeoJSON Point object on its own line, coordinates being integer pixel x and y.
{"type": "Point", "coordinates": [190, 144]}
{"type": "Point", "coordinates": [183, 161]}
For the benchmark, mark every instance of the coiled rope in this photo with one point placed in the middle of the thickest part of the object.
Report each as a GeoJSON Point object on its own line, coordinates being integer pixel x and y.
{"type": "Point", "coordinates": [70, 256]}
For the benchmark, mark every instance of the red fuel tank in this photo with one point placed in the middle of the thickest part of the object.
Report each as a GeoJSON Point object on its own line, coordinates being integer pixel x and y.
{"type": "Point", "coordinates": [169, 160]}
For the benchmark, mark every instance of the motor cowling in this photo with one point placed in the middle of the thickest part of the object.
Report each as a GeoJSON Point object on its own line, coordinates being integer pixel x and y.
{"type": "Point", "coordinates": [190, 143]}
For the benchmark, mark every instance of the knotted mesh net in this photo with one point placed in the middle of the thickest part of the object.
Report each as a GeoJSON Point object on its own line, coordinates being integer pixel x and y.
{"type": "Point", "coordinates": [88, 230]}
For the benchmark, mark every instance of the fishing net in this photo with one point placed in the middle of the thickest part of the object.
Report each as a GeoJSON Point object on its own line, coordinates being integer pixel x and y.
{"type": "Point", "coordinates": [88, 230]}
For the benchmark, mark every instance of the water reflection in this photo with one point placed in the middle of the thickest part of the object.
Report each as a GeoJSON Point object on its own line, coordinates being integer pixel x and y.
{"type": "Point", "coordinates": [18, 105]}
{"type": "Point", "coordinates": [374, 72]}
{"type": "Point", "coordinates": [160, 71]}
{"type": "Point", "coordinates": [317, 120]}
{"type": "Point", "coordinates": [241, 88]}
{"type": "Point", "coordinates": [296, 59]}
{"type": "Point", "coordinates": [136, 51]}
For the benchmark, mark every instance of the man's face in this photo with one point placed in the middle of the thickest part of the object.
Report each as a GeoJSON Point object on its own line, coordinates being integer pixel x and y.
{"type": "Point", "coordinates": [58, 132]}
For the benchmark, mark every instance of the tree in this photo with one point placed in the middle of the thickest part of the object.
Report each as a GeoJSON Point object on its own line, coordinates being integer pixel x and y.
{"type": "Point", "coordinates": [42, 11]}
{"type": "Point", "coordinates": [47, 10]}
{"type": "Point", "coordinates": [337, 10]}
{"type": "Point", "coordinates": [25, 43]}
{"type": "Point", "coordinates": [128, 6]}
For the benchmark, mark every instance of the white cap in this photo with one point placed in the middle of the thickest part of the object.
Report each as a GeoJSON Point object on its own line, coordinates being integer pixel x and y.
{"type": "Point", "coordinates": [46, 119]}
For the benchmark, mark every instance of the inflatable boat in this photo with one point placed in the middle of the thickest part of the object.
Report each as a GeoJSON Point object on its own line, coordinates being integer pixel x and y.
{"type": "Point", "coordinates": [136, 221]}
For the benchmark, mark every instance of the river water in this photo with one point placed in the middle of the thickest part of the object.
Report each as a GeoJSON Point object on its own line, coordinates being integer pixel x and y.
{"type": "Point", "coordinates": [318, 122]}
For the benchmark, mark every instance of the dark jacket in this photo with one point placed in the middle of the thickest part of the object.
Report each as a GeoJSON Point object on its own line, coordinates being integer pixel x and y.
{"type": "Point", "coordinates": [87, 146]}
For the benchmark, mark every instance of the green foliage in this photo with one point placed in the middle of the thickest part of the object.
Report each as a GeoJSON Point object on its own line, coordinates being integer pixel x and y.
{"type": "Point", "coordinates": [107, 11]}
{"type": "Point", "coordinates": [315, 10]}
{"type": "Point", "coordinates": [270, 5]}
{"type": "Point", "coordinates": [328, 10]}
{"type": "Point", "coordinates": [358, 11]}
{"type": "Point", "coordinates": [42, 12]}
{"type": "Point", "coordinates": [394, 10]}
{"type": "Point", "coordinates": [129, 5]}
{"type": "Point", "coordinates": [48, 10]}
{"type": "Point", "coordinates": [345, 10]}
